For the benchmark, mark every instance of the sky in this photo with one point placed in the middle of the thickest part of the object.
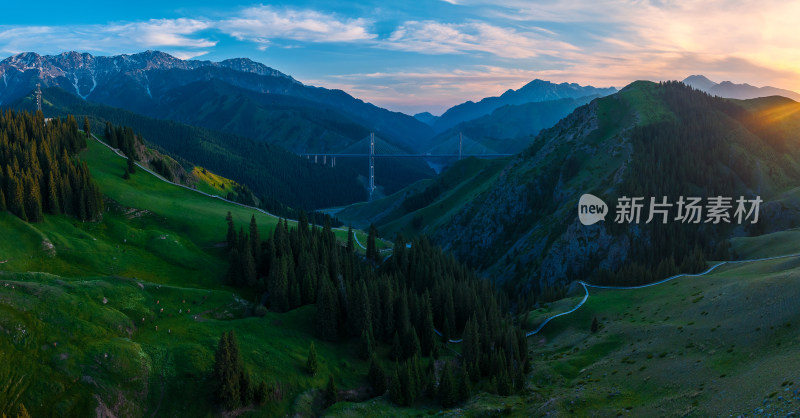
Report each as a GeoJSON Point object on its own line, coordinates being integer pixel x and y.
{"type": "Point", "coordinates": [414, 56]}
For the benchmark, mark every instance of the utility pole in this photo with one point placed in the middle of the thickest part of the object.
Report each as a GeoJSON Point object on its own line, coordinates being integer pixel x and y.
{"type": "Point", "coordinates": [39, 97]}
{"type": "Point", "coordinates": [371, 164]}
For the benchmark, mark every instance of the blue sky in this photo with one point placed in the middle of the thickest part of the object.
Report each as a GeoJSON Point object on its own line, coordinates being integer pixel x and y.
{"type": "Point", "coordinates": [430, 55]}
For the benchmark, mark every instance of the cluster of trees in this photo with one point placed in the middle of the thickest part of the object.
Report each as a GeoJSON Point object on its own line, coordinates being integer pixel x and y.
{"type": "Point", "coordinates": [233, 386]}
{"type": "Point", "coordinates": [122, 138]}
{"type": "Point", "coordinates": [271, 172]}
{"type": "Point", "coordinates": [687, 153]}
{"type": "Point", "coordinates": [38, 175]}
{"type": "Point", "coordinates": [401, 302]}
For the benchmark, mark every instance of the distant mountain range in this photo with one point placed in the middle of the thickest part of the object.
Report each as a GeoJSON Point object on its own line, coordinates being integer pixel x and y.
{"type": "Point", "coordinates": [150, 83]}
{"type": "Point", "coordinates": [508, 129]}
{"type": "Point", "coordinates": [535, 91]}
{"type": "Point", "coordinates": [731, 90]}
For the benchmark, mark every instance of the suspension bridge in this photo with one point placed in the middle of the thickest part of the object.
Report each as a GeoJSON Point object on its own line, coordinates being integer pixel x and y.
{"type": "Point", "coordinates": [378, 148]}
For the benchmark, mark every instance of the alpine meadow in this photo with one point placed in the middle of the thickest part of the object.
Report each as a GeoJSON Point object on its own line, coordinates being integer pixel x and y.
{"type": "Point", "coordinates": [461, 208]}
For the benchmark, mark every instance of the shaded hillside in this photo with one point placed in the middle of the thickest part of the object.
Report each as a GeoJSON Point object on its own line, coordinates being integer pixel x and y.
{"type": "Point", "coordinates": [535, 91]}
{"type": "Point", "coordinates": [648, 140]}
{"type": "Point", "coordinates": [508, 129]}
{"type": "Point", "coordinates": [274, 174]}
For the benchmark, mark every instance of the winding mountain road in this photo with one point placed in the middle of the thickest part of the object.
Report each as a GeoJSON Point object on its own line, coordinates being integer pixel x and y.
{"type": "Point", "coordinates": [586, 286]}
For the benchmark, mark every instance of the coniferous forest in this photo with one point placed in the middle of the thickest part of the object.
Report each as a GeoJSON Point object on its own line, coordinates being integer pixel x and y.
{"type": "Point", "coordinates": [39, 174]}
{"type": "Point", "coordinates": [415, 302]}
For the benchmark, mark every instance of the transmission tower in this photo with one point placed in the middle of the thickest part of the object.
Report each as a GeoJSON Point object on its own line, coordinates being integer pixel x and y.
{"type": "Point", "coordinates": [371, 164]}
{"type": "Point", "coordinates": [39, 97]}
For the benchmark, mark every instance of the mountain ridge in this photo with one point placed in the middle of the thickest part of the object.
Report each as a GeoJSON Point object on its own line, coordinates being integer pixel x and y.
{"type": "Point", "coordinates": [137, 82]}
{"type": "Point", "coordinates": [534, 91]}
{"type": "Point", "coordinates": [731, 90]}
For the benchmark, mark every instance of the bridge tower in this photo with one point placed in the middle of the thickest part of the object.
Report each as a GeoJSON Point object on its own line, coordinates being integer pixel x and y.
{"type": "Point", "coordinates": [39, 97]}
{"type": "Point", "coordinates": [371, 164]}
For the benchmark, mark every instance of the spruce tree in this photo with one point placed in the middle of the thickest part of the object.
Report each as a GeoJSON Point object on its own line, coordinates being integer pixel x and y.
{"type": "Point", "coordinates": [225, 373]}
{"type": "Point", "coordinates": [447, 387]}
{"type": "Point", "coordinates": [595, 325]}
{"type": "Point", "coordinates": [397, 349]}
{"type": "Point", "coordinates": [366, 344]}
{"type": "Point", "coordinates": [372, 249]}
{"type": "Point", "coordinates": [396, 388]}
{"type": "Point", "coordinates": [376, 376]}
{"type": "Point", "coordinates": [331, 392]}
{"type": "Point", "coordinates": [327, 311]}
{"type": "Point", "coordinates": [131, 165]}
{"type": "Point", "coordinates": [255, 241]}
{"type": "Point", "coordinates": [86, 127]}
{"type": "Point", "coordinates": [351, 244]}
{"type": "Point", "coordinates": [231, 238]}
{"type": "Point", "coordinates": [311, 362]}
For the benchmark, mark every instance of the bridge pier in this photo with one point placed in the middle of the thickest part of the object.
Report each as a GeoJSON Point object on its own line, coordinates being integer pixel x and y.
{"type": "Point", "coordinates": [315, 159]}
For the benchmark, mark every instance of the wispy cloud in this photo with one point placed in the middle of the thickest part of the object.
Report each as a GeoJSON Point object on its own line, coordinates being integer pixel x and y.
{"type": "Point", "coordinates": [263, 24]}
{"type": "Point", "coordinates": [432, 37]}
{"type": "Point", "coordinates": [173, 35]}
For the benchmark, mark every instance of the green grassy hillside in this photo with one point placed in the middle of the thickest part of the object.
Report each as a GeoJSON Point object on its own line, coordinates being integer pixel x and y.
{"type": "Point", "coordinates": [722, 344]}
{"type": "Point", "coordinates": [426, 205]}
{"type": "Point", "coordinates": [82, 307]}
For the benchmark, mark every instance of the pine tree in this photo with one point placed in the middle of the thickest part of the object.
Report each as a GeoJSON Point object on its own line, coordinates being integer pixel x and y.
{"type": "Point", "coordinates": [226, 371]}
{"type": "Point", "coordinates": [447, 387]}
{"type": "Point", "coordinates": [131, 165]}
{"type": "Point", "coordinates": [52, 195]}
{"type": "Point", "coordinates": [331, 392]}
{"type": "Point", "coordinates": [351, 244]}
{"type": "Point", "coordinates": [366, 344]}
{"type": "Point", "coordinates": [464, 387]}
{"type": "Point", "coordinates": [396, 389]}
{"type": "Point", "coordinates": [397, 349]}
{"type": "Point", "coordinates": [327, 311]}
{"type": "Point", "coordinates": [86, 127]}
{"type": "Point", "coordinates": [311, 362]}
{"type": "Point", "coordinates": [595, 325]}
{"type": "Point", "coordinates": [231, 237]}
{"type": "Point", "coordinates": [249, 272]}
{"type": "Point", "coordinates": [255, 241]}
{"type": "Point", "coordinates": [376, 376]}
{"type": "Point", "coordinates": [372, 249]}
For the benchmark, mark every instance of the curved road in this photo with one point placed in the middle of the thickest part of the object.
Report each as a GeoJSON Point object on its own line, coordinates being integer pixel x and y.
{"type": "Point", "coordinates": [586, 287]}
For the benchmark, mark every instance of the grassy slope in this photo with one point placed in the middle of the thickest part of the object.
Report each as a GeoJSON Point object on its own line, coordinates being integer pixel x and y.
{"type": "Point", "coordinates": [212, 183]}
{"type": "Point", "coordinates": [714, 345]}
{"type": "Point", "coordinates": [58, 330]}
{"type": "Point", "coordinates": [466, 179]}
